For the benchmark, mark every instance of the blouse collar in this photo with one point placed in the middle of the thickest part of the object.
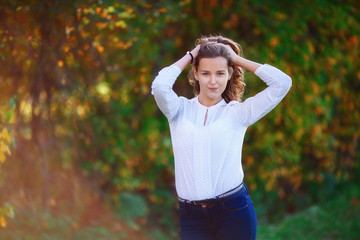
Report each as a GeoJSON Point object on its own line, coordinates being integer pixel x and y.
{"type": "Point", "coordinates": [221, 103]}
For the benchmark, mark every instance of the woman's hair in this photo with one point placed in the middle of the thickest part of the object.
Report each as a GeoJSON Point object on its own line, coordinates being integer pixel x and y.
{"type": "Point", "coordinates": [235, 86]}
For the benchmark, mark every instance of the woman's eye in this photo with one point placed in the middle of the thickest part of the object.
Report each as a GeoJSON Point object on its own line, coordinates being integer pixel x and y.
{"type": "Point", "coordinates": [205, 74]}
{"type": "Point", "coordinates": [220, 74]}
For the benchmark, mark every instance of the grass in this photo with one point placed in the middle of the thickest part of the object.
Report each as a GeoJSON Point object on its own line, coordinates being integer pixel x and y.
{"type": "Point", "coordinates": [336, 218]}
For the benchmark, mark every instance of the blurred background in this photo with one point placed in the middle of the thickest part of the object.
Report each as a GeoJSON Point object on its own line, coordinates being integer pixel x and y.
{"type": "Point", "coordinates": [86, 153]}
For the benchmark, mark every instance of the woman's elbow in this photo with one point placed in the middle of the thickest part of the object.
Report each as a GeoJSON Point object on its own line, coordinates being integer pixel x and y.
{"type": "Point", "coordinates": [287, 82]}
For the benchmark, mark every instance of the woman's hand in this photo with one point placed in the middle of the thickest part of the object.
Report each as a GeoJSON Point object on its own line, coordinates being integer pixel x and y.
{"type": "Point", "coordinates": [185, 60]}
{"type": "Point", "coordinates": [240, 61]}
{"type": "Point", "coordinates": [195, 51]}
{"type": "Point", "coordinates": [233, 55]}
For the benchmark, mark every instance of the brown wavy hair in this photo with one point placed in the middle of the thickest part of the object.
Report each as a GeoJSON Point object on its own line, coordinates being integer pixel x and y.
{"type": "Point", "coordinates": [236, 85]}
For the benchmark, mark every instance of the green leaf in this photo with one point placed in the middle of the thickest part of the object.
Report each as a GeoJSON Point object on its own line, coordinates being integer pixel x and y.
{"type": "Point", "coordinates": [132, 206]}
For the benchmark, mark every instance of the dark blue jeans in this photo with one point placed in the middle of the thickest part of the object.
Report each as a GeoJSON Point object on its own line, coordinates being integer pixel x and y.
{"type": "Point", "coordinates": [230, 218]}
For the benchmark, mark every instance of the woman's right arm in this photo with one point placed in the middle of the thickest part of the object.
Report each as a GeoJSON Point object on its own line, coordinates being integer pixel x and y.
{"type": "Point", "coordinates": [161, 88]}
{"type": "Point", "coordinates": [165, 97]}
{"type": "Point", "coordinates": [185, 60]}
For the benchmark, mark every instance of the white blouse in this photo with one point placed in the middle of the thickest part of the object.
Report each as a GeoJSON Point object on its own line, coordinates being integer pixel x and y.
{"type": "Point", "coordinates": [207, 141]}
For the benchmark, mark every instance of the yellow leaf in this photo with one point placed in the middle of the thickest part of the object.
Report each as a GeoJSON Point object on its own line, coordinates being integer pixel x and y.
{"type": "Point", "coordinates": [2, 157]}
{"type": "Point", "coordinates": [2, 221]}
{"type": "Point", "coordinates": [121, 24]}
{"type": "Point", "coordinates": [4, 148]}
{"type": "Point", "coordinates": [111, 9]}
{"type": "Point", "coordinates": [5, 135]}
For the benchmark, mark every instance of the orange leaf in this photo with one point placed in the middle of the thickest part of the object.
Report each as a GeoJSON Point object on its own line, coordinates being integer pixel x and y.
{"type": "Point", "coordinates": [60, 63]}
{"type": "Point", "coordinates": [100, 48]}
{"type": "Point", "coordinates": [162, 10]}
{"type": "Point", "coordinates": [2, 221]}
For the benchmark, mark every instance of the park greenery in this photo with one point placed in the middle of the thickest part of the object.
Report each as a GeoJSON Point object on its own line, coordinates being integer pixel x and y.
{"type": "Point", "coordinates": [6, 211]}
{"type": "Point", "coordinates": [86, 153]}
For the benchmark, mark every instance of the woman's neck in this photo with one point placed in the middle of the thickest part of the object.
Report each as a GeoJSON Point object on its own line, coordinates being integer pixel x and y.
{"type": "Point", "coordinates": [208, 102]}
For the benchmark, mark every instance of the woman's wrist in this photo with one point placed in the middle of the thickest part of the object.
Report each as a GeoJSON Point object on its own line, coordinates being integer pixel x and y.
{"type": "Point", "coordinates": [237, 60]}
{"type": "Point", "coordinates": [245, 63]}
{"type": "Point", "coordinates": [191, 55]}
{"type": "Point", "coordinates": [183, 62]}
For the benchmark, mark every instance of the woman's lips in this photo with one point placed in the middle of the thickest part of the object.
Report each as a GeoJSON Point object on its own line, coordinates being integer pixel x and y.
{"type": "Point", "coordinates": [213, 89]}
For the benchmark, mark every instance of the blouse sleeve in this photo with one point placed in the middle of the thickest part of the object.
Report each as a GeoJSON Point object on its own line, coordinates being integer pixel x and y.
{"type": "Point", "coordinates": [166, 99]}
{"type": "Point", "coordinates": [262, 103]}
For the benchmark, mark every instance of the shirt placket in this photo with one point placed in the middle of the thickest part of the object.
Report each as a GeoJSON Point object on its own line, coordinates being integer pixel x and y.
{"type": "Point", "coordinates": [206, 116]}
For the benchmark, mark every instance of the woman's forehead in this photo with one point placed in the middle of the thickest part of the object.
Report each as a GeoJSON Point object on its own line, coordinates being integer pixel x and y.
{"type": "Point", "coordinates": [211, 64]}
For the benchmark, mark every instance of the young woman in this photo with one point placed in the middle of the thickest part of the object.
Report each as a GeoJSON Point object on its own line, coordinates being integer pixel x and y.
{"type": "Point", "coordinates": [207, 135]}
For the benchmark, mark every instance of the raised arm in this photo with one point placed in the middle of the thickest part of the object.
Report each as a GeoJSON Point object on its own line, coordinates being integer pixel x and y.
{"type": "Point", "coordinates": [166, 99]}
{"type": "Point", "coordinates": [183, 62]}
{"type": "Point", "coordinates": [254, 108]}
{"type": "Point", "coordinates": [262, 103]}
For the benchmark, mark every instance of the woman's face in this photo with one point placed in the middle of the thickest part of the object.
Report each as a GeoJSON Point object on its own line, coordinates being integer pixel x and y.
{"type": "Point", "coordinates": [213, 76]}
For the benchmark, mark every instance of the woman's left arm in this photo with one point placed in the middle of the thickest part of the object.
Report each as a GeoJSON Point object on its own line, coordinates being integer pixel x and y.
{"type": "Point", "coordinates": [245, 63]}
{"type": "Point", "coordinates": [262, 103]}
{"type": "Point", "coordinates": [279, 84]}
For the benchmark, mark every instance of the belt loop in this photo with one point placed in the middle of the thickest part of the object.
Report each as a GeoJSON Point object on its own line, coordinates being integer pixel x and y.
{"type": "Point", "coordinates": [219, 200]}
{"type": "Point", "coordinates": [247, 190]}
{"type": "Point", "coordinates": [183, 201]}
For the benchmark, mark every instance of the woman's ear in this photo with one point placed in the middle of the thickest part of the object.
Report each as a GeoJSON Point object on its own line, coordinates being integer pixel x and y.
{"type": "Point", "coordinates": [231, 70]}
{"type": "Point", "coordinates": [195, 73]}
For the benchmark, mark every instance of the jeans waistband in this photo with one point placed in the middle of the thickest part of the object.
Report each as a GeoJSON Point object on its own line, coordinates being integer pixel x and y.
{"type": "Point", "coordinates": [215, 199]}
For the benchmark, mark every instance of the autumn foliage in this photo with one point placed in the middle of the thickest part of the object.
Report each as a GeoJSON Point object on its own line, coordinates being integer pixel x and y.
{"type": "Point", "coordinates": [79, 76]}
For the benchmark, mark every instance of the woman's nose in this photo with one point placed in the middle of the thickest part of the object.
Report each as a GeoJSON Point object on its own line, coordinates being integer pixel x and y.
{"type": "Point", "coordinates": [213, 79]}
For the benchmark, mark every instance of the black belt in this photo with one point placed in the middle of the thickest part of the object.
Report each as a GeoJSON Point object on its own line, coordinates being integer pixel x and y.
{"type": "Point", "coordinates": [213, 200]}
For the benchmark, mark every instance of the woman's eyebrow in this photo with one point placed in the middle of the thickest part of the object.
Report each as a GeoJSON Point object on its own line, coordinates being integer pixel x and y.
{"type": "Point", "coordinates": [222, 70]}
